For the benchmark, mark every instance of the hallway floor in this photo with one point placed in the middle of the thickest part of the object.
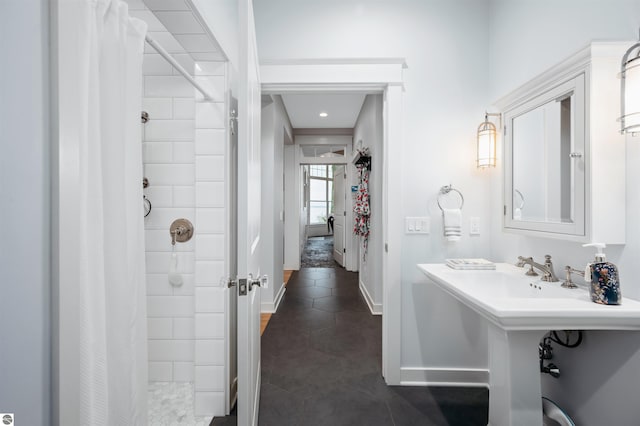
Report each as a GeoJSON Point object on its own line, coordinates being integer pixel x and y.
{"type": "Point", "coordinates": [321, 365]}
{"type": "Point", "coordinates": [318, 253]}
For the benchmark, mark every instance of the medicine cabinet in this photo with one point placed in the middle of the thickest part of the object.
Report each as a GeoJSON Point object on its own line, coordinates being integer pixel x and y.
{"type": "Point", "coordinates": [564, 157]}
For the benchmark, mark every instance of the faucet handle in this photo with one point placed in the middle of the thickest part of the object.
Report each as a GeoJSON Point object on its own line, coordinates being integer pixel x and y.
{"type": "Point", "coordinates": [567, 283]}
{"type": "Point", "coordinates": [531, 272]}
{"type": "Point", "coordinates": [521, 262]}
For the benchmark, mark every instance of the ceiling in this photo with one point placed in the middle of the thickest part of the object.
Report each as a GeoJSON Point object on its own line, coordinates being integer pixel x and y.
{"type": "Point", "coordinates": [177, 28]}
{"type": "Point", "coordinates": [342, 109]}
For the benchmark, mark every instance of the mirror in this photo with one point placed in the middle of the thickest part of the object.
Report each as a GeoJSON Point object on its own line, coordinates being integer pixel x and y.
{"type": "Point", "coordinates": [563, 154]}
{"type": "Point", "coordinates": [542, 166]}
{"type": "Point", "coordinates": [544, 160]}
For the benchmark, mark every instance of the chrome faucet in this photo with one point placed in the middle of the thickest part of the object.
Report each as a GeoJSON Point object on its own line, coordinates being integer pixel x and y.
{"type": "Point", "coordinates": [546, 269]}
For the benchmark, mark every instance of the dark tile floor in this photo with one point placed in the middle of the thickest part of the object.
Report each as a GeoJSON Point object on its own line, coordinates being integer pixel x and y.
{"type": "Point", "coordinates": [321, 365]}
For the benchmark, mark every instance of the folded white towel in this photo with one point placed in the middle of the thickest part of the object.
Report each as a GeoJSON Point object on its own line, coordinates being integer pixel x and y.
{"type": "Point", "coordinates": [452, 221]}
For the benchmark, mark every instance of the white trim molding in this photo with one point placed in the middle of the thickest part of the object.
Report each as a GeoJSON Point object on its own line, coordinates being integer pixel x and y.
{"type": "Point", "coordinates": [375, 308]}
{"type": "Point", "coordinates": [272, 307]}
{"type": "Point", "coordinates": [458, 377]}
{"type": "Point", "coordinates": [334, 74]}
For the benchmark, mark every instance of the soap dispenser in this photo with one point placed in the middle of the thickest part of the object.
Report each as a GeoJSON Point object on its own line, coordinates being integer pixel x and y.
{"type": "Point", "coordinates": [603, 275]}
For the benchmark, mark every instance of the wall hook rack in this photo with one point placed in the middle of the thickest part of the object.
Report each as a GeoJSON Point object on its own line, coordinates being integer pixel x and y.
{"type": "Point", "coordinates": [362, 157]}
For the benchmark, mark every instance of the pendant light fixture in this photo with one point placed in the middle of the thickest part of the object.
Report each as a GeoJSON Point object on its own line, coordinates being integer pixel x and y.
{"type": "Point", "coordinates": [487, 143]}
{"type": "Point", "coordinates": [630, 90]}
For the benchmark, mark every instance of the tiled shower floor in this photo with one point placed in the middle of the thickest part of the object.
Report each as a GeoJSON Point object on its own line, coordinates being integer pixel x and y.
{"type": "Point", "coordinates": [171, 404]}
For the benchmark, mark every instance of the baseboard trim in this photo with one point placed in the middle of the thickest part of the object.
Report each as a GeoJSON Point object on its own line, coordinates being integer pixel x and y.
{"type": "Point", "coordinates": [271, 308]}
{"type": "Point", "coordinates": [458, 377]}
{"type": "Point", "coordinates": [375, 308]}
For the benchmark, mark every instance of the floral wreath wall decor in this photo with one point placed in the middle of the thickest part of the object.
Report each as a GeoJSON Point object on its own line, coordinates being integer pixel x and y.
{"type": "Point", "coordinates": [362, 209]}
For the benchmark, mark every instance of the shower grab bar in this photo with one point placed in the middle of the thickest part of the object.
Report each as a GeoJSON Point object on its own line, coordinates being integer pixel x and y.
{"type": "Point", "coordinates": [178, 67]}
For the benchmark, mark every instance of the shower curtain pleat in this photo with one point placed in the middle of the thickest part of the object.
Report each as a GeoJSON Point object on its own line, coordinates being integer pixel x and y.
{"type": "Point", "coordinates": [112, 300]}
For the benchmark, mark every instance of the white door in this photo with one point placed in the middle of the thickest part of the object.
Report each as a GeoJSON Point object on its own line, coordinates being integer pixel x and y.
{"type": "Point", "coordinates": [249, 106]}
{"type": "Point", "coordinates": [339, 213]}
{"type": "Point", "coordinates": [232, 301]}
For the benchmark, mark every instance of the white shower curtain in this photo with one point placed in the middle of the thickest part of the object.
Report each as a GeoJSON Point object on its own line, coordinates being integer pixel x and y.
{"type": "Point", "coordinates": [100, 77]}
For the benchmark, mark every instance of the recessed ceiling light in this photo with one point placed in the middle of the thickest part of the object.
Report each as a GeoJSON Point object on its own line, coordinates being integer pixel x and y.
{"type": "Point", "coordinates": [324, 114]}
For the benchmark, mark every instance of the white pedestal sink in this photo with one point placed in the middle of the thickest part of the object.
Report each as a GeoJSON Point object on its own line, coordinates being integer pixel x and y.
{"type": "Point", "coordinates": [520, 310]}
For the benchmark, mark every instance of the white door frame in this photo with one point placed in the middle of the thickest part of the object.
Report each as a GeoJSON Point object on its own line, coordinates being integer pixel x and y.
{"type": "Point", "coordinates": [374, 76]}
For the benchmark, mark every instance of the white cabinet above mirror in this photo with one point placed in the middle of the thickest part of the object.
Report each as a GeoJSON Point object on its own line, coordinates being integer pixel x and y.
{"type": "Point", "coordinates": [564, 157]}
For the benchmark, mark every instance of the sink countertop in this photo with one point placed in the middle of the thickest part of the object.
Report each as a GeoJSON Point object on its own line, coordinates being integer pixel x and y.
{"type": "Point", "coordinates": [514, 301]}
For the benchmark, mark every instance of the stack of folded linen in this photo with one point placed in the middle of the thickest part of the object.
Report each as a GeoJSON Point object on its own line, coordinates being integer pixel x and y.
{"type": "Point", "coordinates": [466, 264]}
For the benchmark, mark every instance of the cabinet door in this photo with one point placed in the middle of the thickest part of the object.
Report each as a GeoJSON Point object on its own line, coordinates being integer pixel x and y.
{"type": "Point", "coordinates": [545, 156]}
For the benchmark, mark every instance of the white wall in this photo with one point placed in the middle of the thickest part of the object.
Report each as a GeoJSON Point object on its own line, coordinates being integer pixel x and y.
{"type": "Point", "coordinates": [25, 318]}
{"type": "Point", "coordinates": [526, 37]}
{"type": "Point", "coordinates": [443, 103]}
{"type": "Point", "coordinates": [368, 129]}
{"type": "Point", "coordinates": [276, 128]}
{"type": "Point", "coordinates": [292, 193]}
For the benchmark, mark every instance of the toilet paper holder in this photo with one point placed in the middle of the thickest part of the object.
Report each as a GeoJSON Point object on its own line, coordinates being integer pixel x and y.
{"type": "Point", "coordinates": [181, 231]}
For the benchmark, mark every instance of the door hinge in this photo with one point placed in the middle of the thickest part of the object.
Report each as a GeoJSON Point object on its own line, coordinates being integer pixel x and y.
{"type": "Point", "coordinates": [345, 213]}
{"type": "Point", "coordinates": [504, 213]}
{"type": "Point", "coordinates": [504, 131]}
{"type": "Point", "coordinates": [344, 250]}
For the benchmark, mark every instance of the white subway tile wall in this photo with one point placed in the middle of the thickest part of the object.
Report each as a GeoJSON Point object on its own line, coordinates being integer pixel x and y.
{"type": "Point", "coordinates": [158, 108]}
{"type": "Point", "coordinates": [207, 269]}
{"type": "Point", "coordinates": [183, 372]}
{"type": "Point", "coordinates": [210, 141]}
{"type": "Point", "coordinates": [209, 378]}
{"type": "Point", "coordinates": [210, 168]}
{"type": "Point", "coordinates": [206, 402]}
{"type": "Point", "coordinates": [210, 194]}
{"type": "Point", "coordinates": [210, 242]}
{"type": "Point", "coordinates": [160, 371]}
{"type": "Point", "coordinates": [209, 299]}
{"type": "Point", "coordinates": [209, 326]}
{"type": "Point", "coordinates": [209, 352]}
{"type": "Point", "coordinates": [184, 155]}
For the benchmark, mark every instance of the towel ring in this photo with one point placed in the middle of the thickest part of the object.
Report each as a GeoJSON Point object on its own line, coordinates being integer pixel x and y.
{"type": "Point", "coordinates": [521, 197]}
{"type": "Point", "coordinates": [446, 190]}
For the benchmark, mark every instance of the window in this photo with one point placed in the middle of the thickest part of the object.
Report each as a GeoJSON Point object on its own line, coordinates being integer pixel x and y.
{"type": "Point", "coordinates": [320, 193]}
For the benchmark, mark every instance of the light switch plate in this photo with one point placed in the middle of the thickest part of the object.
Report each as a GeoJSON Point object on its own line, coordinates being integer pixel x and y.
{"type": "Point", "coordinates": [417, 225]}
{"type": "Point", "coordinates": [474, 226]}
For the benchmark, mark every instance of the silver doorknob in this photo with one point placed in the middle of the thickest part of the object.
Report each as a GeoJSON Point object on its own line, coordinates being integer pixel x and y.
{"type": "Point", "coordinates": [228, 282]}
{"type": "Point", "coordinates": [262, 282]}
